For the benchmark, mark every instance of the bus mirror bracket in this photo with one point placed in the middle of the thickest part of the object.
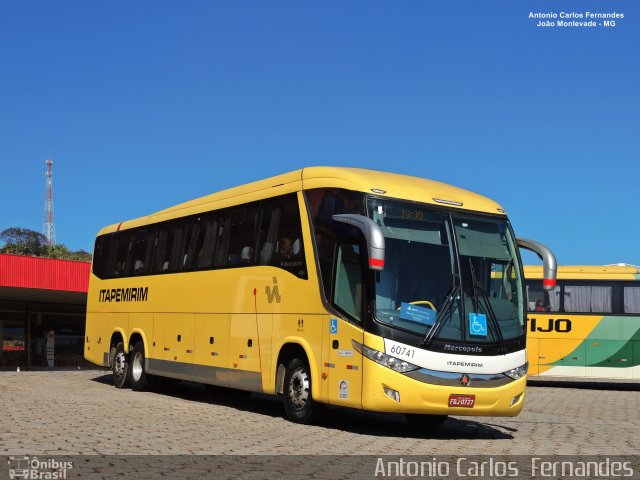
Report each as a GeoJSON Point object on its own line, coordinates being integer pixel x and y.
{"type": "Point", "coordinates": [549, 264]}
{"type": "Point", "coordinates": [372, 234]}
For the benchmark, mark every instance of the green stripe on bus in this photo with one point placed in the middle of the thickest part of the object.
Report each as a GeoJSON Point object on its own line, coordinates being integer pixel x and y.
{"type": "Point", "coordinates": [610, 344]}
{"type": "Point", "coordinates": [628, 355]}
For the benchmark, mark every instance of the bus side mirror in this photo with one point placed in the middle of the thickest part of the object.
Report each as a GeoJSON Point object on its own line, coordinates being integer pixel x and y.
{"type": "Point", "coordinates": [372, 234]}
{"type": "Point", "coordinates": [549, 264]}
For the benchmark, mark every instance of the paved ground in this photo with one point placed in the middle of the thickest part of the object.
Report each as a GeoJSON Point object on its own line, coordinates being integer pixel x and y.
{"type": "Point", "coordinates": [81, 413]}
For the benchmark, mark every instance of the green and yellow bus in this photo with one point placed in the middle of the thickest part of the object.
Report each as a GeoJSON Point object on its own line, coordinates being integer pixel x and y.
{"type": "Point", "coordinates": [588, 325]}
{"type": "Point", "coordinates": [325, 285]}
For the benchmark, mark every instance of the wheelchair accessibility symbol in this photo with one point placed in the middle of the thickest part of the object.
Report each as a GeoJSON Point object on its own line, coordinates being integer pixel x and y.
{"type": "Point", "coordinates": [478, 324]}
{"type": "Point", "coordinates": [333, 326]}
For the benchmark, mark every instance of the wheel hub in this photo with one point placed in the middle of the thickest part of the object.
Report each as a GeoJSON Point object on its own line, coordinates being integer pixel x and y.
{"type": "Point", "coordinates": [136, 366]}
{"type": "Point", "coordinates": [119, 364]}
{"type": "Point", "coordinates": [299, 388]}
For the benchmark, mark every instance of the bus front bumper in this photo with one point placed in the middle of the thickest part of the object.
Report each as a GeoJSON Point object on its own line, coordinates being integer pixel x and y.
{"type": "Point", "coordinates": [385, 390]}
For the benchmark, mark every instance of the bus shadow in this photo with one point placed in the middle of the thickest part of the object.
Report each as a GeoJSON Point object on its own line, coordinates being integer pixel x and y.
{"type": "Point", "coordinates": [105, 378]}
{"type": "Point", "coordinates": [197, 392]}
{"type": "Point", "coordinates": [332, 418]}
{"type": "Point", "coordinates": [623, 386]}
{"type": "Point", "coordinates": [395, 426]}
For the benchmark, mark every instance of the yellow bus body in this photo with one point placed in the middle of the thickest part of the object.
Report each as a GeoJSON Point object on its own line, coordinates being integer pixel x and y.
{"type": "Point", "coordinates": [227, 327]}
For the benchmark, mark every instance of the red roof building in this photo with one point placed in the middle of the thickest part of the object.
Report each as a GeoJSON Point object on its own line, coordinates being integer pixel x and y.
{"type": "Point", "coordinates": [42, 312]}
{"type": "Point", "coordinates": [44, 273]}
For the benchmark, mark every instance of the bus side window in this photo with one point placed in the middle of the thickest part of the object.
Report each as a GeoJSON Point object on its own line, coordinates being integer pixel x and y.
{"type": "Point", "coordinates": [540, 300]}
{"type": "Point", "coordinates": [137, 249]}
{"type": "Point", "coordinates": [268, 231]}
{"type": "Point", "coordinates": [119, 253]}
{"type": "Point", "coordinates": [101, 255]}
{"type": "Point", "coordinates": [164, 246]}
{"type": "Point", "coordinates": [585, 297]}
{"type": "Point", "coordinates": [152, 240]}
{"type": "Point", "coordinates": [631, 298]}
{"type": "Point", "coordinates": [323, 203]}
{"type": "Point", "coordinates": [280, 237]}
{"type": "Point", "coordinates": [192, 231]}
{"type": "Point", "coordinates": [175, 260]}
{"type": "Point", "coordinates": [242, 236]}
{"type": "Point", "coordinates": [159, 249]}
{"type": "Point", "coordinates": [202, 254]}
{"type": "Point", "coordinates": [222, 242]}
{"type": "Point", "coordinates": [347, 295]}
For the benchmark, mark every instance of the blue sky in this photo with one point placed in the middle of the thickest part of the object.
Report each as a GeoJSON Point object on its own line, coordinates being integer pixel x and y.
{"type": "Point", "coordinates": [145, 104]}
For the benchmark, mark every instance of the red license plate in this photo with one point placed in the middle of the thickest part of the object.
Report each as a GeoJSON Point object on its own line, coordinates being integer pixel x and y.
{"type": "Point", "coordinates": [466, 401]}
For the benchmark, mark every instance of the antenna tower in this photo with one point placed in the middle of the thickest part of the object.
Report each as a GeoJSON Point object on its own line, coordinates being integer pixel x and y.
{"type": "Point", "coordinates": [49, 225]}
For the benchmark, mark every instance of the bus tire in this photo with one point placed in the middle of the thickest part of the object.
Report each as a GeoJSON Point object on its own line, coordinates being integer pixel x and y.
{"type": "Point", "coordinates": [425, 422]}
{"type": "Point", "coordinates": [120, 367]}
{"type": "Point", "coordinates": [299, 406]}
{"type": "Point", "coordinates": [140, 379]}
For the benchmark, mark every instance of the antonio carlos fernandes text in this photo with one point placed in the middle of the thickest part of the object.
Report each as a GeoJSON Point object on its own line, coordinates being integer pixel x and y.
{"type": "Point", "coordinates": [538, 468]}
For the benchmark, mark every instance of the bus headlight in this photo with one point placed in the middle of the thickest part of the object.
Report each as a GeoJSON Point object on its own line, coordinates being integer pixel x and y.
{"type": "Point", "coordinates": [383, 359]}
{"type": "Point", "coordinates": [518, 372]}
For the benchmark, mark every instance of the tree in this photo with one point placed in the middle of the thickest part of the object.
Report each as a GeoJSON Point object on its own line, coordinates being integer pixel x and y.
{"type": "Point", "coordinates": [22, 241]}
{"type": "Point", "coordinates": [57, 251]}
{"type": "Point", "coordinates": [80, 255]}
{"type": "Point", "coordinates": [62, 252]}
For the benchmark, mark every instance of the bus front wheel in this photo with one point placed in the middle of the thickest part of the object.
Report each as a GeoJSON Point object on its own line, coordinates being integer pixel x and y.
{"type": "Point", "coordinates": [298, 404]}
{"type": "Point", "coordinates": [120, 367]}
{"type": "Point", "coordinates": [140, 379]}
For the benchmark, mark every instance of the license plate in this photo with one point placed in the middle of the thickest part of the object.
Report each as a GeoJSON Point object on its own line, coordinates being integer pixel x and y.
{"type": "Point", "coordinates": [466, 401]}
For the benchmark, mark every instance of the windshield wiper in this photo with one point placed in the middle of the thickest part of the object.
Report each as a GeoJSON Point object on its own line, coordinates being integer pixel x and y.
{"type": "Point", "coordinates": [478, 287]}
{"type": "Point", "coordinates": [446, 306]}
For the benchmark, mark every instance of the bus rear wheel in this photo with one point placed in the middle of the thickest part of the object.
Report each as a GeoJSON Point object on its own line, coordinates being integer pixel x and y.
{"type": "Point", "coordinates": [120, 367]}
{"type": "Point", "coordinates": [425, 422]}
{"type": "Point", "coordinates": [140, 379]}
{"type": "Point", "coordinates": [299, 406]}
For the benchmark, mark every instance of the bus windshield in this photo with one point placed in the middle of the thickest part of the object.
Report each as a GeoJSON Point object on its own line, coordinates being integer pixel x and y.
{"type": "Point", "coordinates": [447, 276]}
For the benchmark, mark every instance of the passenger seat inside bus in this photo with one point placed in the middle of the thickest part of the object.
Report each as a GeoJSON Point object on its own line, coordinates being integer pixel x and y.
{"type": "Point", "coordinates": [246, 255]}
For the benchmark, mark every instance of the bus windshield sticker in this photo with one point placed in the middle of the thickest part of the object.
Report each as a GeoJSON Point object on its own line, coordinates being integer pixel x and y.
{"type": "Point", "coordinates": [417, 314]}
{"type": "Point", "coordinates": [333, 326]}
{"type": "Point", "coordinates": [478, 324]}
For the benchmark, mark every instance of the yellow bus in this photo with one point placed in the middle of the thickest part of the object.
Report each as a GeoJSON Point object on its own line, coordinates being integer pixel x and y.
{"type": "Point", "coordinates": [325, 285]}
{"type": "Point", "coordinates": [588, 325]}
